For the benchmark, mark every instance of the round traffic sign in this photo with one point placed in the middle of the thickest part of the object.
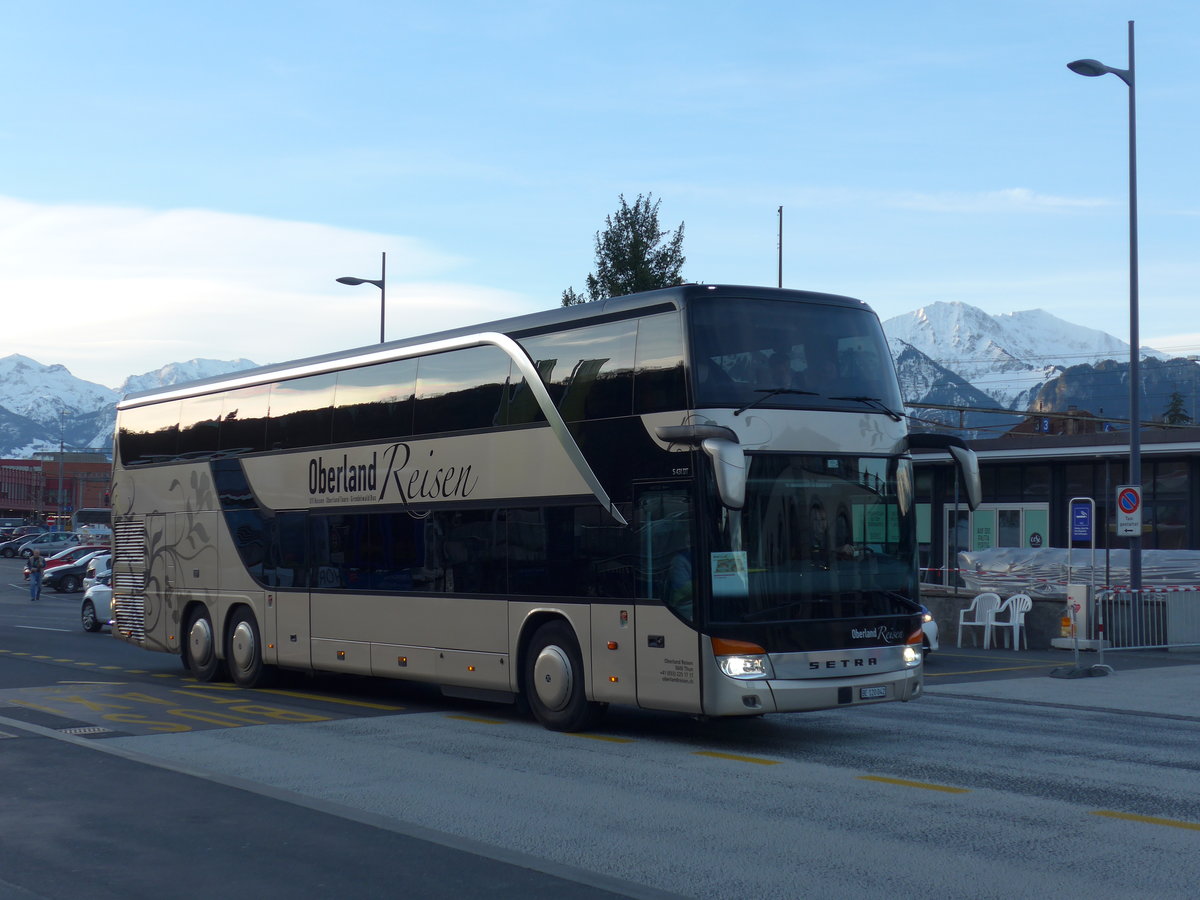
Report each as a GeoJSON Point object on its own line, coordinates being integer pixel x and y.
{"type": "Point", "coordinates": [1129, 500]}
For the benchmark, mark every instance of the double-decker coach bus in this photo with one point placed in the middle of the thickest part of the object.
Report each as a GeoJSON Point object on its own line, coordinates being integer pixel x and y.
{"type": "Point", "coordinates": [696, 499]}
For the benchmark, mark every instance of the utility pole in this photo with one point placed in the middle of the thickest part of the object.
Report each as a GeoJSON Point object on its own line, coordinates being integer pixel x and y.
{"type": "Point", "coordinates": [781, 246]}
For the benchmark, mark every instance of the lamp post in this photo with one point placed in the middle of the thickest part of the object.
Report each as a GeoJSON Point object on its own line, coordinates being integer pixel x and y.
{"type": "Point", "coordinates": [1093, 68]}
{"type": "Point", "coordinates": [62, 450]}
{"type": "Point", "coordinates": [381, 284]}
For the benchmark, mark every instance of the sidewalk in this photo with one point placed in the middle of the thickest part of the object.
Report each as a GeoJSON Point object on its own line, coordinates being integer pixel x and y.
{"type": "Point", "coordinates": [1159, 684]}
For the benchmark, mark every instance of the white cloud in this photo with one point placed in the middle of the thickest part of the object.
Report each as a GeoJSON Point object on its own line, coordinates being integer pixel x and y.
{"type": "Point", "coordinates": [120, 291]}
{"type": "Point", "coordinates": [1004, 200]}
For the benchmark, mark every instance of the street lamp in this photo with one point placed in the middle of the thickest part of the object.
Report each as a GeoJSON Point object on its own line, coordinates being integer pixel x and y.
{"type": "Point", "coordinates": [1093, 68]}
{"type": "Point", "coordinates": [62, 450]}
{"type": "Point", "coordinates": [381, 284]}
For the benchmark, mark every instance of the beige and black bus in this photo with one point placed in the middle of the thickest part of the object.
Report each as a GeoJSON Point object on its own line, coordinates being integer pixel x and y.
{"type": "Point", "coordinates": [697, 499]}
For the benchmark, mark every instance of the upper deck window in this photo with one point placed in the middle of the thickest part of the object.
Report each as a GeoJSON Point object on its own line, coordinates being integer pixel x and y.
{"type": "Point", "coordinates": [460, 390]}
{"type": "Point", "coordinates": [375, 402]}
{"type": "Point", "coordinates": [815, 355]}
{"type": "Point", "coordinates": [588, 371]}
{"type": "Point", "coordinates": [301, 412]}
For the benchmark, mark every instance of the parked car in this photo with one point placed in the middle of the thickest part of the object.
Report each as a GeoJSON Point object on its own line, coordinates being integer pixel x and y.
{"type": "Point", "coordinates": [49, 542]}
{"type": "Point", "coordinates": [16, 530]}
{"type": "Point", "coordinates": [929, 626]}
{"type": "Point", "coordinates": [69, 578]}
{"type": "Point", "coordinates": [99, 569]}
{"type": "Point", "coordinates": [12, 546]}
{"type": "Point", "coordinates": [96, 610]}
{"type": "Point", "coordinates": [70, 555]}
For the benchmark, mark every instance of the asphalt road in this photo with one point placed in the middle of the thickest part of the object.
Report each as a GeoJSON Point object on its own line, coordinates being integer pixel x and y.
{"type": "Point", "coordinates": [123, 777]}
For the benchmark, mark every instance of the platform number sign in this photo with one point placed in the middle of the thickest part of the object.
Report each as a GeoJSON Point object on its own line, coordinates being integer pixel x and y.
{"type": "Point", "coordinates": [1129, 510]}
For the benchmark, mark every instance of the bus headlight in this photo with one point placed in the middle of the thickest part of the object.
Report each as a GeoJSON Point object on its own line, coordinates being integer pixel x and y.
{"type": "Point", "coordinates": [914, 652]}
{"type": "Point", "coordinates": [742, 660]}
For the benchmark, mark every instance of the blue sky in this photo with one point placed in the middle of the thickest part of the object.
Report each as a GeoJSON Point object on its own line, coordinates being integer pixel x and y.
{"type": "Point", "coordinates": [182, 181]}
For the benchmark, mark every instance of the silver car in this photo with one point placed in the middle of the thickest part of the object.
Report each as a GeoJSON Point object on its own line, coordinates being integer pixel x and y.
{"type": "Point", "coordinates": [99, 568]}
{"type": "Point", "coordinates": [96, 611]}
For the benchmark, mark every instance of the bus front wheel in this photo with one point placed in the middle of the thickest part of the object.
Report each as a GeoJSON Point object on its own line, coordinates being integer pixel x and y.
{"type": "Point", "coordinates": [200, 647]}
{"type": "Point", "coordinates": [554, 680]}
{"type": "Point", "coordinates": [243, 653]}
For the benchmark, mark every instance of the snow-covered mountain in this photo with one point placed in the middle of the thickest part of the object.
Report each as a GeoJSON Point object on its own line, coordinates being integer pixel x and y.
{"type": "Point", "coordinates": [923, 380]}
{"type": "Point", "coordinates": [178, 373]}
{"type": "Point", "coordinates": [42, 405]}
{"type": "Point", "coordinates": [43, 393]}
{"type": "Point", "coordinates": [1008, 356]}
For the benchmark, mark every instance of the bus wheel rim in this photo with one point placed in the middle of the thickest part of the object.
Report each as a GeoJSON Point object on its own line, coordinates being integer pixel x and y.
{"type": "Point", "coordinates": [200, 640]}
{"type": "Point", "coordinates": [242, 647]}
{"type": "Point", "coordinates": [553, 678]}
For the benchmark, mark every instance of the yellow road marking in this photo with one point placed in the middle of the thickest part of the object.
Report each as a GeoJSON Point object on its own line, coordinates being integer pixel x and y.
{"type": "Point", "coordinates": [929, 674]}
{"type": "Point", "coordinates": [758, 761]}
{"type": "Point", "coordinates": [478, 719]}
{"type": "Point", "coordinates": [1149, 820]}
{"type": "Point", "coordinates": [602, 737]}
{"type": "Point", "coordinates": [915, 784]}
{"type": "Point", "coordinates": [207, 687]}
{"type": "Point", "coordinates": [363, 703]}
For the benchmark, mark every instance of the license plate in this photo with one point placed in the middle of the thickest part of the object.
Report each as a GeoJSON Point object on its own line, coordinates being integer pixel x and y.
{"type": "Point", "coordinates": [872, 693]}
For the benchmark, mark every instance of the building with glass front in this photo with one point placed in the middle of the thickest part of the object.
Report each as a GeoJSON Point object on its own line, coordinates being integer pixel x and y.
{"type": "Point", "coordinates": [1029, 479]}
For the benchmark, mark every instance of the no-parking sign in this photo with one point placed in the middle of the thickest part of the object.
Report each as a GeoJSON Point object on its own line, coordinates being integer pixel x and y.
{"type": "Point", "coordinates": [1129, 510]}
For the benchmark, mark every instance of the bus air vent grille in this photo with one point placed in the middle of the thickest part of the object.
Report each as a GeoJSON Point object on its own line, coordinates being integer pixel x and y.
{"type": "Point", "coordinates": [129, 615]}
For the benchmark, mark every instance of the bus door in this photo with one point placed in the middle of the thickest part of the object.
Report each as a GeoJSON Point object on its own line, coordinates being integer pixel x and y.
{"type": "Point", "coordinates": [668, 657]}
{"type": "Point", "coordinates": [288, 570]}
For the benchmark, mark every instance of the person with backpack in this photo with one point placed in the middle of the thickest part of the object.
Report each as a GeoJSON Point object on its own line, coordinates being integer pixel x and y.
{"type": "Point", "coordinates": [37, 565]}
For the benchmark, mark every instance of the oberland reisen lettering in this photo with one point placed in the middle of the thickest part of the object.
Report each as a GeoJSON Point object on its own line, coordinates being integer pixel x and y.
{"type": "Point", "coordinates": [341, 479]}
{"type": "Point", "coordinates": [409, 480]}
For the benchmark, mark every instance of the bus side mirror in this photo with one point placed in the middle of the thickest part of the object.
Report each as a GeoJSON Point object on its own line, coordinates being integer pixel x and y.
{"type": "Point", "coordinates": [721, 445]}
{"type": "Point", "coordinates": [964, 458]}
{"type": "Point", "coordinates": [968, 470]}
{"type": "Point", "coordinates": [729, 466]}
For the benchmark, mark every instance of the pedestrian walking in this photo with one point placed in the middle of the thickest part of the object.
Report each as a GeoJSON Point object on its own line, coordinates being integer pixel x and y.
{"type": "Point", "coordinates": [37, 565]}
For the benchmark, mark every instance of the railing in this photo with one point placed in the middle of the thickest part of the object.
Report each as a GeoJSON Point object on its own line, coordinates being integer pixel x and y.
{"type": "Point", "coordinates": [1145, 620]}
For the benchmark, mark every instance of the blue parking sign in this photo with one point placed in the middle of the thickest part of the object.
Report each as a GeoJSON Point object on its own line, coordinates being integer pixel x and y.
{"type": "Point", "coordinates": [1081, 522]}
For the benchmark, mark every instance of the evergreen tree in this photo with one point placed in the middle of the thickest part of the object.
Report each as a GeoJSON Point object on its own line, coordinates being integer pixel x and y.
{"type": "Point", "coordinates": [1175, 413]}
{"type": "Point", "coordinates": [631, 255]}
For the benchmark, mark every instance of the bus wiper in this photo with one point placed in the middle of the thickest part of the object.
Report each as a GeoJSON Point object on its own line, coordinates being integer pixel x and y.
{"type": "Point", "coordinates": [875, 402]}
{"type": "Point", "coordinates": [768, 393]}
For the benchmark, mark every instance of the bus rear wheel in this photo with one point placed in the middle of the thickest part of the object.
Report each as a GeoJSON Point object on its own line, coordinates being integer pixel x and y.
{"type": "Point", "coordinates": [243, 651]}
{"type": "Point", "coordinates": [200, 647]}
{"type": "Point", "coordinates": [554, 680]}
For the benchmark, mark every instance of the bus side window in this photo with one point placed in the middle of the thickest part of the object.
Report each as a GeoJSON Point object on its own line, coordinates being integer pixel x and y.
{"type": "Point", "coordinates": [667, 567]}
{"type": "Point", "coordinates": [301, 412]}
{"type": "Point", "coordinates": [244, 420]}
{"type": "Point", "coordinates": [593, 374]}
{"type": "Point", "coordinates": [199, 425]}
{"type": "Point", "coordinates": [658, 368]}
{"type": "Point", "coordinates": [148, 433]}
{"type": "Point", "coordinates": [375, 402]}
{"type": "Point", "coordinates": [460, 390]}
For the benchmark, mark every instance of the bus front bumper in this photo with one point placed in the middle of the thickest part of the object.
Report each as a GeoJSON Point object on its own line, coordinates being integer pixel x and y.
{"type": "Point", "coordinates": [732, 697]}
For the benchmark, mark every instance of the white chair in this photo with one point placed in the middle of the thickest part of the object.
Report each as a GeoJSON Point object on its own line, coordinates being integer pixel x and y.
{"type": "Point", "coordinates": [978, 615]}
{"type": "Point", "coordinates": [1011, 615]}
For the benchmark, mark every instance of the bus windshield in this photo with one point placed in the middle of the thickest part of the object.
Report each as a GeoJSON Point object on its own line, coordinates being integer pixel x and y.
{"type": "Point", "coordinates": [775, 353]}
{"type": "Point", "coordinates": [820, 537]}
